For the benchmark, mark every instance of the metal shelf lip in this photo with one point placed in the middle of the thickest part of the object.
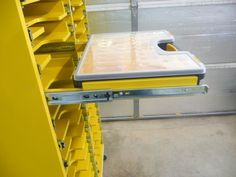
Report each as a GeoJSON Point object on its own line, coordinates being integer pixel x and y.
{"type": "Point", "coordinates": [76, 97]}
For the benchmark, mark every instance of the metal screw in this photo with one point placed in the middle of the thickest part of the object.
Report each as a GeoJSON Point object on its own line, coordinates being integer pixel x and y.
{"type": "Point", "coordinates": [55, 98]}
{"type": "Point", "coordinates": [61, 144]}
{"type": "Point", "coordinates": [66, 164]}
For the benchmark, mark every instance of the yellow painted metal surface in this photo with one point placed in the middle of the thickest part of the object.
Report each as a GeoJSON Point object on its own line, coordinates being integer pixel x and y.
{"type": "Point", "coordinates": [72, 171]}
{"type": "Point", "coordinates": [44, 11]}
{"type": "Point", "coordinates": [54, 32]}
{"type": "Point", "coordinates": [37, 31]}
{"type": "Point", "coordinates": [81, 28]}
{"type": "Point", "coordinates": [28, 142]}
{"type": "Point", "coordinates": [170, 47]}
{"type": "Point", "coordinates": [76, 3]}
{"type": "Point", "coordinates": [42, 60]}
{"type": "Point", "coordinates": [82, 39]}
{"type": "Point", "coordinates": [141, 83]}
{"type": "Point", "coordinates": [59, 68]}
{"type": "Point", "coordinates": [78, 142]}
{"type": "Point", "coordinates": [28, 2]}
{"type": "Point", "coordinates": [79, 13]}
{"type": "Point", "coordinates": [40, 140]}
{"type": "Point", "coordinates": [61, 128]}
{"type": "Point", "coordinates": [65, 152]}
{"type": "Point", "coordinates": [80, 154]}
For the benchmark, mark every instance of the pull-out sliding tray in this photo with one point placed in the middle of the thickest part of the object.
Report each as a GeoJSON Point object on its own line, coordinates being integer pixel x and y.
{"type": "Point", "coordinates": [136, 60]}
{"type": "Point", "coordinates": [132, 65]}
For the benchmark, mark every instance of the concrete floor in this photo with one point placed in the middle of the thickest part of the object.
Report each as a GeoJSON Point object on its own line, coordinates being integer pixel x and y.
{"type": "Point", "coordinates": [185, 147]}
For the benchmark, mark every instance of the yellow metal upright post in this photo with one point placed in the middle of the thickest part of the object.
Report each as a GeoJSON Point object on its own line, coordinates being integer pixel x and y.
{"type": "Point", "coordinates": [27, 142]}
{"type": "Point", "coordinates": [38, 140]}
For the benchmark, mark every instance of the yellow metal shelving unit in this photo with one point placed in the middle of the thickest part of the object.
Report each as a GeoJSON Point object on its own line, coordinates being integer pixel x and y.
{"type": "Point", "coordinates": [42, 42]}
{"type": "Point", "coordinates": [36, 139]}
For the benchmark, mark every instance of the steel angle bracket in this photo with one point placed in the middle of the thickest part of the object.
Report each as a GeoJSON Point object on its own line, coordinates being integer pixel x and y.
{"type": "Point", "coordinates": [75, 97]}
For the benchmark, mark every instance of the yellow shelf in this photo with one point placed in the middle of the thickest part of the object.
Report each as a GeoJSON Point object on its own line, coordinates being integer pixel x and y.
{"type": "Point", "coordinates": [87, 173]}
{"type": "Point", "coordinates": [71, 38]}
{"type": "Point", "coordinates": [54, 32]}
{"type": "Point", "coordinates": [79, 154]}
{"type": "Point", "coordinates": [80, 31]}
{"type": "Point", "coordinates": [66, 109]}
{"type": "Point", "coordinates": [49, 76]}
{"type": "Point", "coordinates": [62, 84]}
{"type": "Point", "coordinates": [91, 105]}
{"type": "Point", "coordinates": [80, 49]}
{"type": "Point", "coordinates": [76, 130]}
{"type": "Point", "coordinates": [93, 115]}
{"type": "Point", "coordinates": [79, 54]}
{"type": "Point", "coordinates": [42, 60]}
{"type": "Point", "coordinates": [82, 39]}
{"type": "Point", "coordinates": [25, 2]}
{"type": "Point", "coordinates": [79, 13]}
{"type": "Point", "coordinates": [36, 31]}
{"type": "Point", "coordinates": [74, 116]}
{"type": "Point", "coordinates": [81, 28]}
{"type": "Point", "coordinates": [76, 3]}
{"type": "Point", "coordinates": [57, 69]}
{"type": "Point", "coordinates": [44, 11]}
{"type": "Point", "coordinates": [94, 120]}
{"type": "Point", "coordinates": [61, 128]}
{"type": "Point", "coordinates": [79, 142]}
{"type": "Point", "coordinates": [98, 149]}
{"type": "Point", "coordinates": [93, 111]}
{"type": "Point", "coordinates": [71, 171]}
{"type": "Point", "coordinates": [83, 165]}
{"type": "Point", "coordinates": [96, 128]}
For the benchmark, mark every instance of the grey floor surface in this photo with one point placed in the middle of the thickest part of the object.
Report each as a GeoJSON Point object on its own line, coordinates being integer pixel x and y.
{"type": "Point", "coordinates": [184, 147]}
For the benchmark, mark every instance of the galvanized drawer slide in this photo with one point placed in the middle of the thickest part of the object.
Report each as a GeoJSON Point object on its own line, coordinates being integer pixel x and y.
{"type": "Point", "coordinates": [76, 97]}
